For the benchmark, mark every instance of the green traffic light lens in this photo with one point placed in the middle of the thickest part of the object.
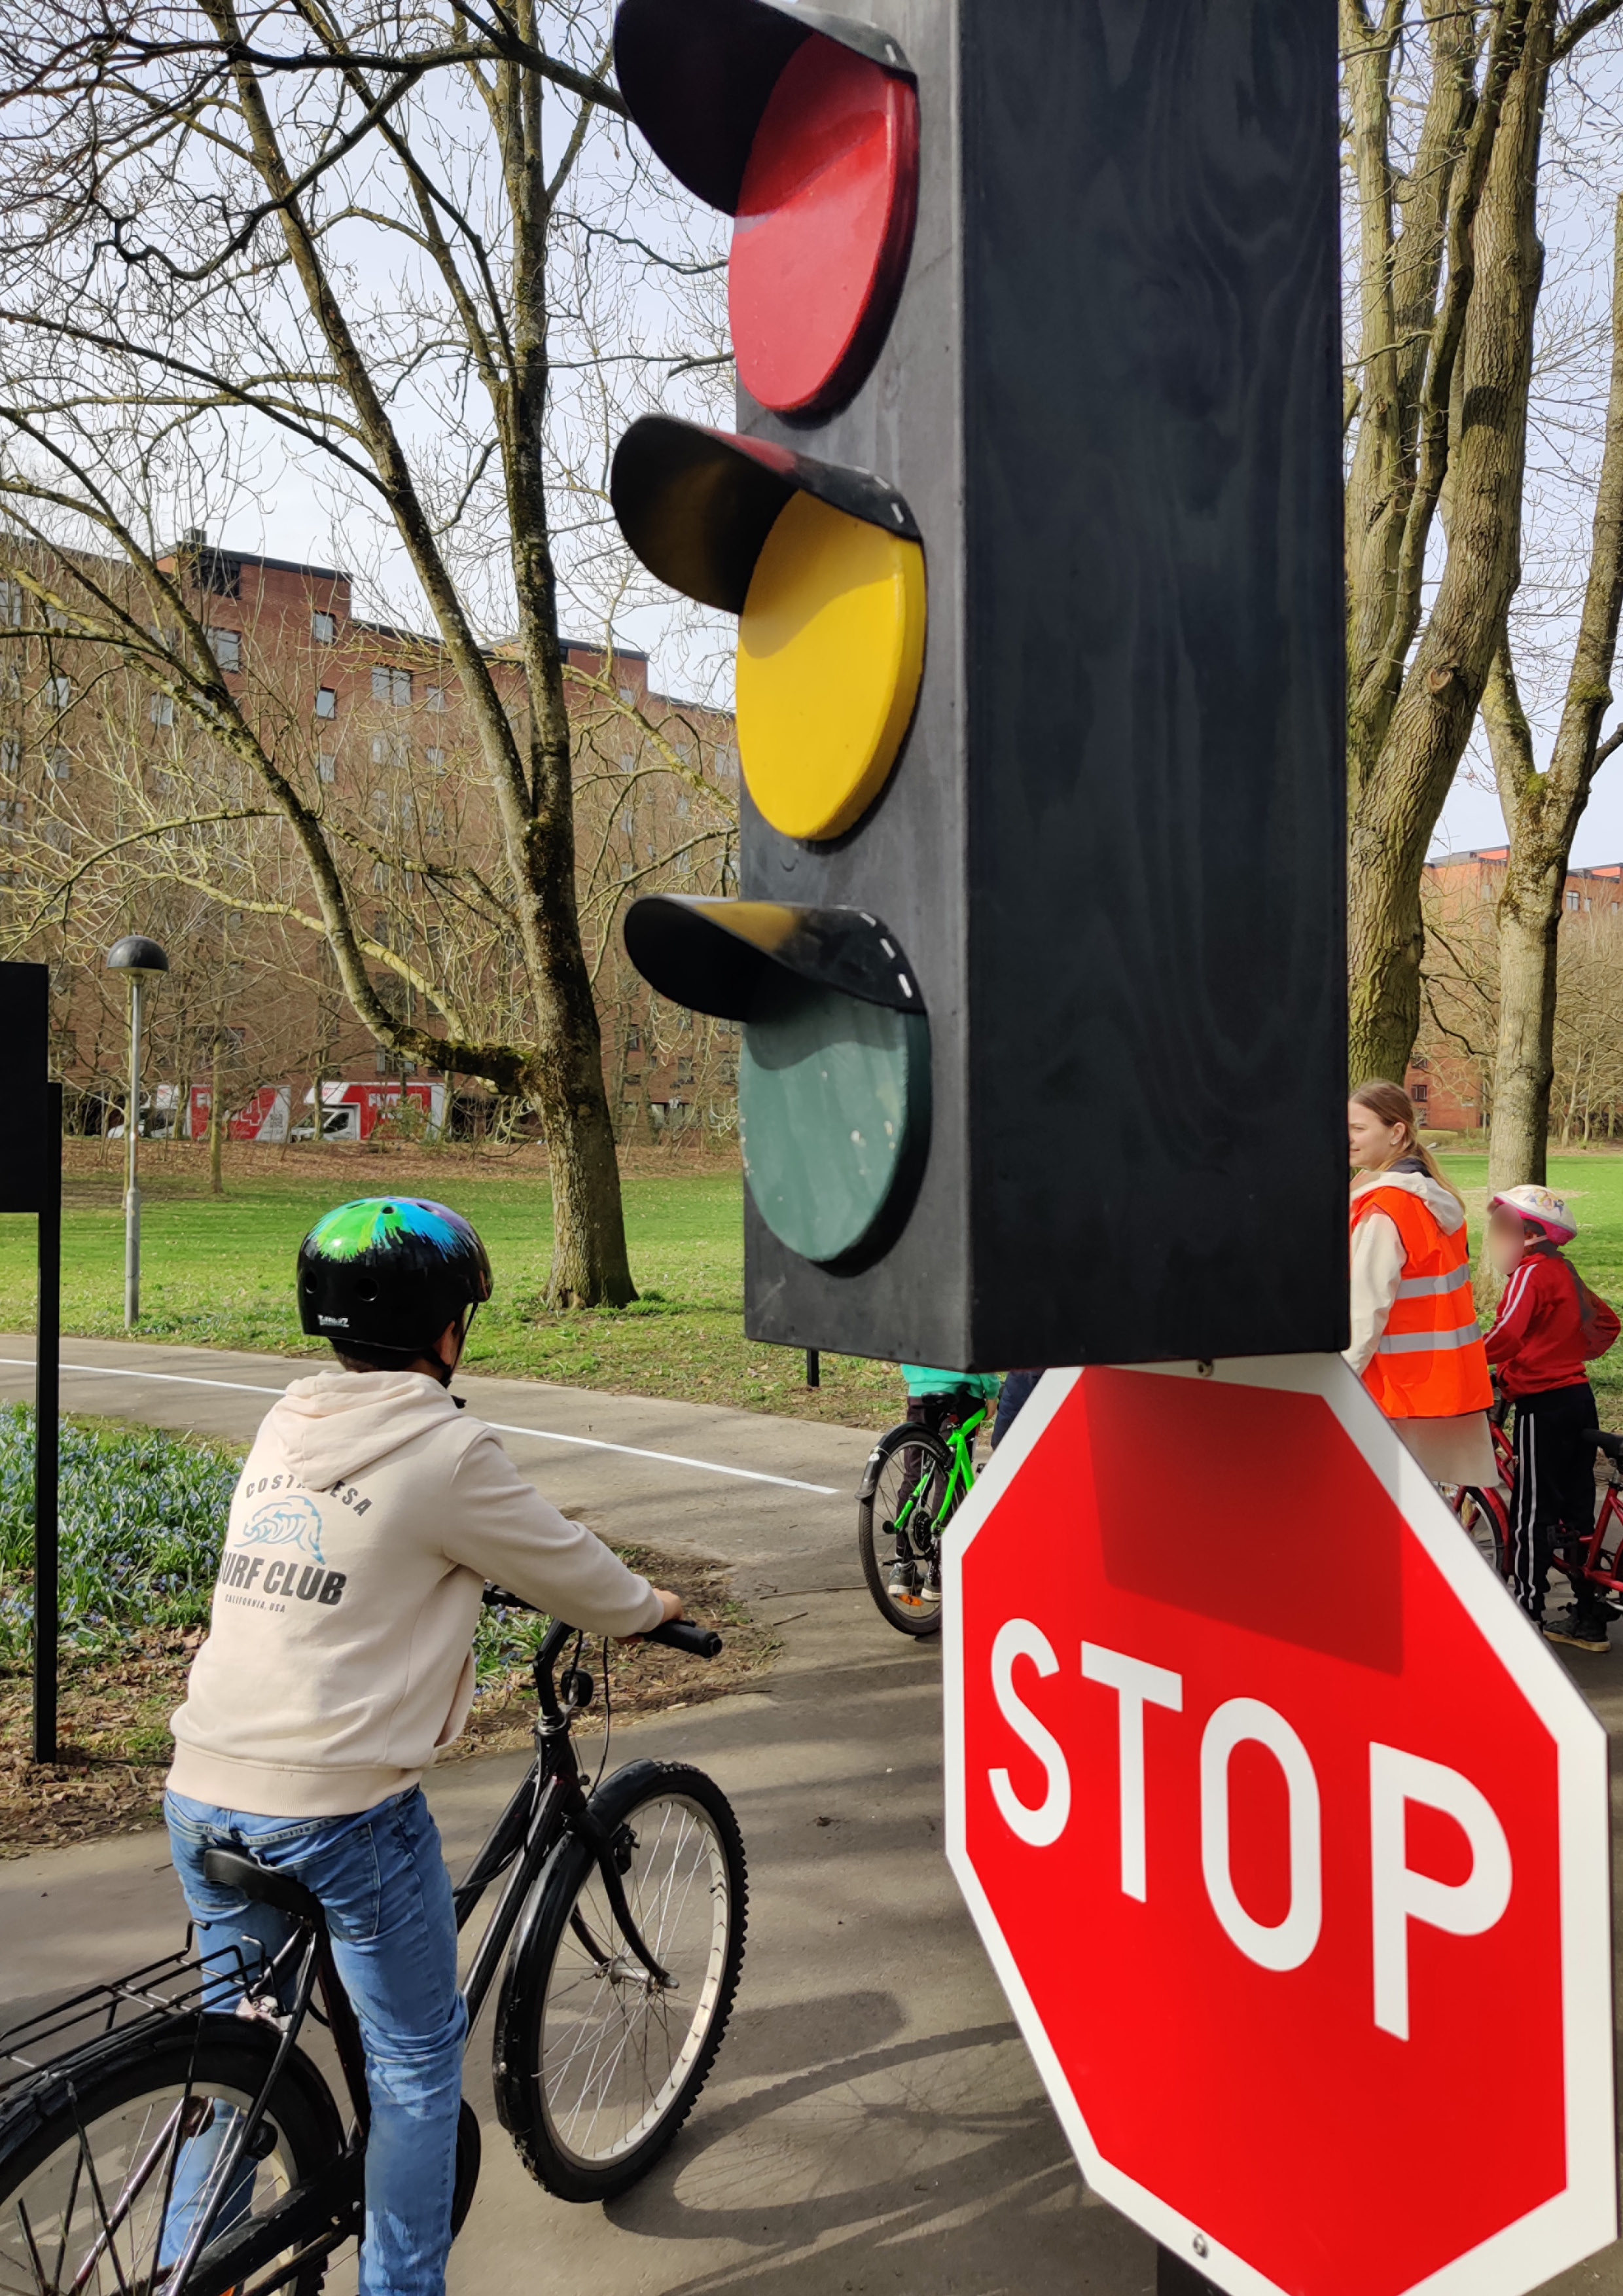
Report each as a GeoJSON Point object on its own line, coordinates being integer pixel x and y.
{"type": "Point", "coordinates": [833, 1103]}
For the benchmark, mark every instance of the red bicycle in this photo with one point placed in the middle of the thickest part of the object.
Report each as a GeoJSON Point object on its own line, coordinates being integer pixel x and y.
{"type": "Point", "coordinates": [1596, 1560]}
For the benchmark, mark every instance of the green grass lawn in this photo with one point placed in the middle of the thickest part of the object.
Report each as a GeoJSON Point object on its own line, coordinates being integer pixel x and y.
{"type": "Point", "coordinates": [218, 1271]}
{"type": "Point", "coordinates": [1593, 1186]}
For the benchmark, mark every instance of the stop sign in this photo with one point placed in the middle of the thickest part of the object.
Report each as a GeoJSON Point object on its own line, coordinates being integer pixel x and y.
{"type": "Point", "coordinates": [1287, 1835]}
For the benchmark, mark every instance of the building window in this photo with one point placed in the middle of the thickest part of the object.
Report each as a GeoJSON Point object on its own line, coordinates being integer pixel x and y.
{"type": "Point", "coordinates": [11, 604]}
{"type": "Point", "coordinates": [58, 835]}
{"type": "Point", "coordinates": [628, 694]}
{"type": "Point", "coordinates": [391, 686]}
{"type": "Point", "coordinates": [434, 822]}
{"type": "Point", "coordinates": [435, 760]}
{"type": "Point", "coordinates": [434, 697]}
{"type": "Point", "coordinates": [10, 755]}
{"type": "Point", "coordinates": [324, 628]}
{"type": "Point", "coordinates": [58, 693]}
{"type": "Point", "coordinates": [1572, 900]}
{"type": "Point", "coordinates": [161, 710]}
{"type": "Point", "coordinates": [390, 749]}
{"type": "Point", "coordinates": [634, 1040]}
{"type": "Point", "coordinates": [226, 646]}
{"type": "Point", "coordinates": [59, 766]}
{"type": "Point", "coordinates": [1419, 1092]}
{"type": "Point", "coordinates": [13, 813]}
{"type": "Point", "coordinates": [381, 1061]}
{"type": "Point", "coordinates": [1587, 906]}
{"type": "Point", "coordinates": [684, 1071]}
{"type": "Point", "coordinates": [380, 882]}
{"type": "Point", "coordinates": [326, 767]}
{"type": "Point", "coordinates": [326, 702]}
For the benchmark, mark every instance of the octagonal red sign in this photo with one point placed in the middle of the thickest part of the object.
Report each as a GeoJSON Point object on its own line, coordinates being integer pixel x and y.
{"type": "Point", "coordinates": [1288, 1837]}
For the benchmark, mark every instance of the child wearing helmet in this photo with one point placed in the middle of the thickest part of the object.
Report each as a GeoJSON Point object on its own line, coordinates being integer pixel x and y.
{"type": "Point", "coordinates": [338, 1662]}
{"type": "Point", "coordinates": [1550, 1326]}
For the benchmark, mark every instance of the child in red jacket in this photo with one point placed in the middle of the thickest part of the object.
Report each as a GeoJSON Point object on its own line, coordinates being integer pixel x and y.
{"type": "Point", "coordinates": [1549, 1328]}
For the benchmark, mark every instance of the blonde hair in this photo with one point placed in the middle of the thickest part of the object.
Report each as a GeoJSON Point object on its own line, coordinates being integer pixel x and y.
{"type": "Point", "coordinates": [1392, 1103]}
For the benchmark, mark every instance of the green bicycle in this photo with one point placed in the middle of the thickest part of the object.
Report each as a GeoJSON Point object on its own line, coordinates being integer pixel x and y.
{"type": "Point", "coordinates": [911, 1485]}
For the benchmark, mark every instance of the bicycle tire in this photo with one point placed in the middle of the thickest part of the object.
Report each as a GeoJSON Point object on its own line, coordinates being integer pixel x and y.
{"type": "Point", "coordinates": [111, 2105]}
{"type": "Point", "coordinates": [553, 1996]}
{"type": "Point", "coordinates": [1486, 1520]}
{"type": "Point", "coordinates": [878, 1545]}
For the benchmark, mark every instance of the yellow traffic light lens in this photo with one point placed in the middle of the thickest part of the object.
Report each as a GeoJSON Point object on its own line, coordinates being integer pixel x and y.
{"type": "Point", "coordinates": [831, 645]}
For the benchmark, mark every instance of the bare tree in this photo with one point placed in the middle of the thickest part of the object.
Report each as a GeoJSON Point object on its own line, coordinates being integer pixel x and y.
{"type": "Point", "coordinates": [350, 239]}
{"type": "Point", "coordinates": [1543, 810]}
{"type": "Point", "coordinates": [1446, 111]}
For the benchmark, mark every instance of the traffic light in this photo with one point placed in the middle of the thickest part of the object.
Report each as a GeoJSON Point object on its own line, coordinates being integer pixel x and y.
{"type": "Point", "coordinates": [1030, 522]}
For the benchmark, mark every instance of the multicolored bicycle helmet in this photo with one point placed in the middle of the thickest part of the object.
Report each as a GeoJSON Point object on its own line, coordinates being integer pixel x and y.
{"type": "Point", "coordinates": [1537, 1208]}
{"type": "Point", "coordinates": [390, 1272]}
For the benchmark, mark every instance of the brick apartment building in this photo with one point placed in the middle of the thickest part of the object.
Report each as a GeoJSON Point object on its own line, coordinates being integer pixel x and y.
{"type": "Point", "coordinates": [369, 723]}
{"type": "Point", "coordinates": [1461, 893]}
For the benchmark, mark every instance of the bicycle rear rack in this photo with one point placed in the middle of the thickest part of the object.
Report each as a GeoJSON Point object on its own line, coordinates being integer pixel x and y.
{"type": "Point", "coordinates": [146, 1996]}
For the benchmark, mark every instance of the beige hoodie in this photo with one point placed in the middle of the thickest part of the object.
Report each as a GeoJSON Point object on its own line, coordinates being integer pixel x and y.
{"type": "Point", "coordinates": [369, 1515]}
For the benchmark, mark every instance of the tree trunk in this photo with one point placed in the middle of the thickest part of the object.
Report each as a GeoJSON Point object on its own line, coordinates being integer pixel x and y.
{"type": "Point", "coordinates": [216, 1127]}
{"type": "Point", "coordinates": [1542, 811]}
{"type": "Point", "coordinates": [1479, 398]}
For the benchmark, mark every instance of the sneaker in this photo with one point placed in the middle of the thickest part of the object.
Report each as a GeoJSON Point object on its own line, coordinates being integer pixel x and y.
{"type": "Point", "coordinates": [902, 1585]}
{"type": "Point", "coordinates": [929, 1592]}
{"type": "Point", "coordinates": [1581, 1634]}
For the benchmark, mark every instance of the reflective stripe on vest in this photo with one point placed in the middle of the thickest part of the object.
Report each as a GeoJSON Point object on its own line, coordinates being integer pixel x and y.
{"type": "Point", "coordinates": [1416, 1343]}
{"type": "Point", "coordinates": [1426, 1287]}
{"type": "Point", "coordinates": [1429, 1362]}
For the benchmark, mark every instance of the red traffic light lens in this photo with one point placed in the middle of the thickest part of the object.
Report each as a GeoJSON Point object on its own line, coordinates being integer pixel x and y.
{"type": "Point", "coordinates": [823, 224]}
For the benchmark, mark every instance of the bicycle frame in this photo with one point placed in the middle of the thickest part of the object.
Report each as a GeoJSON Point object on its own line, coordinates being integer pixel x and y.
{"type": "Point", "coordinates": [959, 1441]}
{"type": "Point", "coordinates": [316, 2217]}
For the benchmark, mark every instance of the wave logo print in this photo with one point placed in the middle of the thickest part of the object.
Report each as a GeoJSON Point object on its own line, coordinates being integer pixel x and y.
{"type": "Point", "coordinates": [285, 1522]}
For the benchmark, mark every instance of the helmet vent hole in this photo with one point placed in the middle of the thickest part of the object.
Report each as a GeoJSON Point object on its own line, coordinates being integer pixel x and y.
{"type": "Point", "coordinates": [366, 1289]}
{"type": "Point", "coordinates": [389, 1211]}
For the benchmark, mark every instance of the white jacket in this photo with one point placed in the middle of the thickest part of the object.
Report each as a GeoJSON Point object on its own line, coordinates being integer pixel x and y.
{"type": "Point", "coordinates": [339, 1657]}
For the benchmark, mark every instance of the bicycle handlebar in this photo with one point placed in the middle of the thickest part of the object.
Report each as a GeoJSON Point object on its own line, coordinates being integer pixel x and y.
{"type": "Point", "coordinates": [680, 1634]}
{"type": "Point", "coordinates": [676, 1634]}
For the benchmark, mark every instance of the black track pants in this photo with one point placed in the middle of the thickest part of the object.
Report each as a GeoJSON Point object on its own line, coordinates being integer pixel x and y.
{"type": "Point", "coordinates": [1554, 1489]}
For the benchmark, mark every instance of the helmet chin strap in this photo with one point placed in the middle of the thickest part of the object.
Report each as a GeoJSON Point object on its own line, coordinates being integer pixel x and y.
{"type": "Point", "coordinates": [447, 1372]}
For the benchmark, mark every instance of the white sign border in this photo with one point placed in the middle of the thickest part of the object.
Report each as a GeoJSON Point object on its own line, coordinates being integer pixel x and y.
{"type": "Point", "coordinates": [1561, 2231]}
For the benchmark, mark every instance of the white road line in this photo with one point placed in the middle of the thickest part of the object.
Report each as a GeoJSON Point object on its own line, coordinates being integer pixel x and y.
{"type": "Point", "coordinates": [541, 1434]}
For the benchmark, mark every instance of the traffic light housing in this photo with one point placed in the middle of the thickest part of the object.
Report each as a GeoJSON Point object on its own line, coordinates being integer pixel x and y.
{"type": "Point", "coordinates": [1031, 520]}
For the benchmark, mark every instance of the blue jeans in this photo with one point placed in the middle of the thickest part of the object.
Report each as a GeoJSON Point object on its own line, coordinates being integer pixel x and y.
{"type": "Point", "coordinates": [382, 1882]}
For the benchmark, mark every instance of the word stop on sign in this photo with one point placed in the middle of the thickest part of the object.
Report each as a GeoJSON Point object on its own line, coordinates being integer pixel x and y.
{"type": "Point", "coordinates": [1287, 1836]}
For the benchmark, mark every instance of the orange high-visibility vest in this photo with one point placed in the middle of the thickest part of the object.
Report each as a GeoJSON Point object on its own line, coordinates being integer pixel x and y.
{"type": "Point", "coordinates": [1429, 1363]}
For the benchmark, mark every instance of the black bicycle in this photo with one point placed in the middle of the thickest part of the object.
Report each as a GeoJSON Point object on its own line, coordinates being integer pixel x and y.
{"type": "Point", "coordinates": [152, 2139]}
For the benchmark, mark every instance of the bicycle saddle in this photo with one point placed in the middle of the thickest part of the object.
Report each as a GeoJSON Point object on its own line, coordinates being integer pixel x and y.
{"type": "Point", "coordinates": [1612, 1445]}
{"type": "Point", "coordinates": [233, 1869]}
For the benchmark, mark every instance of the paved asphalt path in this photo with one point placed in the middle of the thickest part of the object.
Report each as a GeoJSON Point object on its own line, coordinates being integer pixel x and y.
{"type": "Point", "coordinates": [771, 1497]}
{"type": "Point", "coordinates": [873, 2123]}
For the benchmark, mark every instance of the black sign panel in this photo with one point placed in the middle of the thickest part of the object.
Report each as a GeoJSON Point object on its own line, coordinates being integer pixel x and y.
{"type": "Point", "coordinates": [23, 1129]}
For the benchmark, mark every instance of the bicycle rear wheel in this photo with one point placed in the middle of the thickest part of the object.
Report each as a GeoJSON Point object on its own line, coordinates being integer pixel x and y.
{"type": "Point", "coordinates": [898, 1524]}
{"type": "Point", "coordinates": [96, 2160]}
{"type": "Point", "coordinates": [1486, 1517]}
{"type": "Point", "coordinates": [597, 2065]}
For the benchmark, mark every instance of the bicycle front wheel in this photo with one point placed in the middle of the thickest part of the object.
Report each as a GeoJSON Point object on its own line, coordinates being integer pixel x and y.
{"type": "Point", "coordinates": [898, 1522]}
{"type": "Point", "coordinates": [104, 2168]}
{"type": "Point", "coordinates": [598, 2064]}
{"type": "Point", "coordinates": [1486, 1517]}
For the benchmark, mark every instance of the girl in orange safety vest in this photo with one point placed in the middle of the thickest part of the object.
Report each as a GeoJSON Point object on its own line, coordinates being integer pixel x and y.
{"type": "Point", "coordinates": [1415, 1343]}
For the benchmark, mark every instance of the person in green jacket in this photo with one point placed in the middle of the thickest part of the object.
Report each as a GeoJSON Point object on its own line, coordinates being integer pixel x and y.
{"type": "Point", "coordinates": [936, 1395]}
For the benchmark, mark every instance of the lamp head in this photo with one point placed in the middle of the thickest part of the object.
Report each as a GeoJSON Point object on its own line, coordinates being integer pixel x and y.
{"type": "Point", "coordinates": [135, 954]}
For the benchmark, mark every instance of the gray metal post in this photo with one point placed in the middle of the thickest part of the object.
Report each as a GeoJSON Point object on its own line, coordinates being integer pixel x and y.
{"type": "Point", "coordinates": [132, 1134]}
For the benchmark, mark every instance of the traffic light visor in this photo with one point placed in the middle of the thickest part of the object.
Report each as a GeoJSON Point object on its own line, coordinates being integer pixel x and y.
{"type": "Point", "coordinates": [833, 1081]}
{"type": "Point", "coordinates": [712, 954]}
{"type": "Point", "coordinates": [825, 570]}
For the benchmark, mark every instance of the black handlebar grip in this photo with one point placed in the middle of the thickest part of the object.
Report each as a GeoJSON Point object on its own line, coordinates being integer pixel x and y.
{"type": "Point", "coordinates": [680, 1634]}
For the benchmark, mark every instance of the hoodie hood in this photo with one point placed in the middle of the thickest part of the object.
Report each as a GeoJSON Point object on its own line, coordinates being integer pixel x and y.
{"type": "Point", "coordinates": [1445, 1208]}
{"type": "Point", "coordinates": [335, 1426]}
